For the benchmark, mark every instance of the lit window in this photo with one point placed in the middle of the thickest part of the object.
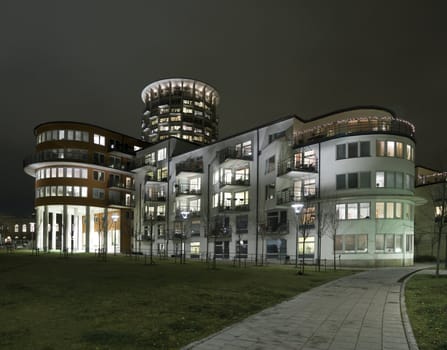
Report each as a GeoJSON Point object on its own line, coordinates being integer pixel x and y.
{"type": "Point", "coordinates": [352, 211]}
{"type": "Point", "coordinates": [390, 149]}
{"type": "Point", "coordinates": [380, 148]}
{"type": "Point", "coordinates": [398, 210]}
{"type": "Point", "coordinates": [69, 172]}
{"type": "Point", "coordinates": [399, 149]}
{"type": "Point", "coordinates": [161, 154]}
{"type": "Point", "coordinates": [380, 179]}
{"type": "Point", "coordinates": [60, 172]}
{"type": "Point", "coordinates": [340, 209]}
{"type": "Point", "coordinates": [390, 210]}
{"type": "Point", "coordinates": [380, 210]}
{"type": "Point", "coordinates": [76, 191]}
{"type": "Point", "coordinates": [99, 140]}
{"type": "Point", "coordinates": [24, 228]}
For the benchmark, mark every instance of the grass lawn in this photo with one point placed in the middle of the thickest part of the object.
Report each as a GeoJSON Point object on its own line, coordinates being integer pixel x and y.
{"type": "Point", "coordinates": [50, 302]}
{"type": "Point", "coordinates": [426, 301]}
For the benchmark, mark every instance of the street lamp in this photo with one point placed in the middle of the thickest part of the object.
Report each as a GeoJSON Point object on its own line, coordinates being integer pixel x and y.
{"type": "Point", "coordinates": [115, 218]}
{"type": "Point", "coordinates": [297, 207]}
{"type": "Point", "coordinates": [184, 214]}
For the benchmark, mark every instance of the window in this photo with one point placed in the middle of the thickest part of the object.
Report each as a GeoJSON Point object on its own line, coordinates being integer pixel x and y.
{"type": "Point", "coordinates": [98, 158]}
{"type": "Point", "coordinates": [276, 248]}
{"type": "Point", "coordinates": [389, 243]}
{"type": "Point", "coordinates": [341, 152]}
{"type": "Point", "coordinates": [340, 209]}
{"type": "Point", "coordinates": [352, 211]}
{"type": "Point", "coordinates": [365, 179]}
{"type": "Point", "coordinates": [270, 191]}
{"type": "Point", "coordinates": [380, 179]}
{"type": "Point", "coordinates": [84, 191]}
{"type": "Point", "coordinates": [270, 165]}
{"type": "Point", "coordinates": [195, 249]}
{"type": "Point", "coordinates": [341, 182]}
{"type": "Point", "coordinates": [364, 210]}
{"type": "Point", "coordinates": [389, 210]}
{"type": "Point", "coordinates": [390, 148]}
{"type": "Point", "coordinates": [380, 148]}
{"type": "Point", "coordinates": [365, 149]}
{"type": "Point", "coordinates": [99, 140]}
{"type": "Point", "coordinates": [380, 242]}
{"type": "Point", "coordinates": [241, 248]}
{"type": "Point", "coordinates": [409, 243]}
{"type": "Point", "coordinates": [399, 150]}
{"type": "Point", "coordinates": [161, 154]}
{"type": "Point", "coordinates": [353, 150]}
{"type": "Point", "coordinates": [389, 179]}
{"type": "Point", "coordinates": [98, 193]}
{"type": "Point", "coordinates": [242, 224]}
{"type": "Point", "coordinates": [409, 154]}
{"type": "Point", "coordinates": [309, 246]}
{"type": "Point", "coordinates": [352, 180]}
{"type": "Point", "coordinates": [380, 210]}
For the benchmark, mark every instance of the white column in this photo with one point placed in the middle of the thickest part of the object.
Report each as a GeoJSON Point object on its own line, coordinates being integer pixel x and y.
{"type": "Point", "coordinates": [66, 228]}
{"type": "Point", "coordinates": [45, 229]}
{"type": "Point", "coordinates": [39, 227]}
{"type": "Point", "coordinates": [53, 231]}
{"type": "Point", "coordinates": [106, 230]}
{"type": "Point", "coordinates": [87, 229]}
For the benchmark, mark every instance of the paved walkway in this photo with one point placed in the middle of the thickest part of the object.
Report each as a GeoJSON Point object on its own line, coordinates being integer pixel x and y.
{"type": "Point", "coordinates": [361, 312]}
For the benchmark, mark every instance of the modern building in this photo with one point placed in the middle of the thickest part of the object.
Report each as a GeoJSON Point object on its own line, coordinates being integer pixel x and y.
{"type": "Point", "coordinates": [431, 186]}
{"type": "Point", "coordinates": [84, 187]}
{"type": "Point", "coordinates": [181, 108]}
{"type": "Point", "coordinates": [342, 181]}
{"type": "Point", "coordinates": [339, 187]}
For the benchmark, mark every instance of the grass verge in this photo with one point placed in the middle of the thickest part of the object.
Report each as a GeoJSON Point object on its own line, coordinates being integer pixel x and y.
{"type": "Point", "coordinates": [50, 302]}
{"type": "Point", "coordinates": [426, 302]}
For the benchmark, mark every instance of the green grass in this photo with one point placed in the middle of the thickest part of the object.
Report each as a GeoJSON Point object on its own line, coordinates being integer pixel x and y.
{"type": "Point", "coordinates": [426, 301]}
{"type": "Point", "coordinates": [50, 302]}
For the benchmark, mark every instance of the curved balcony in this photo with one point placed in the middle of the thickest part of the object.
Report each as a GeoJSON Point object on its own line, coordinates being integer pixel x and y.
{"type": "Point", "coordinates": [354, 126]}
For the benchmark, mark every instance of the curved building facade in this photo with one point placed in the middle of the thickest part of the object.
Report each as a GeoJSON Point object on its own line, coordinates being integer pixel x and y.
{"type": "Point", "coordinates": [84, 187]}
{"type": "Point", "coordinates": [181, 108]}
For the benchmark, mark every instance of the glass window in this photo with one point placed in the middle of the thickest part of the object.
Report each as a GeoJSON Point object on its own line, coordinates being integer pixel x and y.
{"type": "Point", "coordinates": [78, 135]}
{"type": "Point", "coordinates": [352, 211]}
{"type": "Point", "coordinates": [380, 179]}
{"type": "Point", "coordinates": [353, 151]}
{"type": "Point", "coordinates": [380, 242]}
{"type": "Point", "coordinates": [99, 140]}
{"type": "Point", "coordinates": [270, 165]}
{"type": "Point", "coordinates": [390, 151]}
{"type": "Point", "coordinates": [389, 210]}
{"type": "Point", "coordinates": [398, 245]}
{"type": "Point", "coordinates": [399, 180]}
{"type": "Point", "coordinates": [353, 180]}
{"type": "Point", "coordinates": [365, 149]}
{"type": "Point", "coordinates": [341, 181]}
{"type": "Point", "coordinates": [362, 243]}
{"type": "Point", "coordinates": [76, 191]}
{"type": "Point", "coordinates": [60, 172]}
{"type": "Point", "coordinates": [364, 211]}
{"type": "Point", "coordinates": [69, 172]}
{"type": "Point", "coordinates": [390, 183]}
{"type": "Point", "coordinates": [340, 210]}
{"type": "Point", "coordinates": [365, 179]}
{"type": "Point", "coordinates": [70, 135]}
{"type": "Point", "coordinates": [409, 243]}
{"type": "Point", "coordinates": [60, 191]}
{"type": "Point", "coordinates": [399, 149]}
{"type": "Point", "coordinates": [338, 243]}
{"type": "Point", "coordinates": [409, 153]}
{"type": "Point", "coordinates": [389, 243]}
{"type": "Point", "coordinates": [161, 154]}
{"type": "Point", "coordinates": [349, 241]}
{"type": "Point", "coordinates": [69, 191]}
{"type": "Point", "coordinates": [380, 210]}
{"type": "Point", "coordinates": [242, 224]}
{"type": "Point", "coordinates": [380, 148]}
{"type": "Point", "coordinates": [398, 210]}
{"type": "Point", "coordinates": [341, 151]}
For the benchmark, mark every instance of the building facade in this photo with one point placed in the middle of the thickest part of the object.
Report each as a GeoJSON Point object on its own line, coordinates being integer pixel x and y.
{"type": "Point", "coordinates": [84, 187]}
{"type": "Point", "coordinates": [181, 108]}
{"type": "Point", "coordinates": [350, 173]}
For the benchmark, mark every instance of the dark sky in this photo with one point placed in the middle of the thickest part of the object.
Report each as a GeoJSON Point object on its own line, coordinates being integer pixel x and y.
{"type": "Point", "coordinates": [88, 61]}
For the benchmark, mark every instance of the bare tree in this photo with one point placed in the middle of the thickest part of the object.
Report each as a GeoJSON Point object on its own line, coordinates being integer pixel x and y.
{"type": "Point", "coordinates": [330, 220]}
{"type": "Point", "coordinates": [439, 203]}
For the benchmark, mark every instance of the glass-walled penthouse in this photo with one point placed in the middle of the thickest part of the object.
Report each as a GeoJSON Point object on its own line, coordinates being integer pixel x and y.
{"type": "Point", "coordinates": [181, 108]}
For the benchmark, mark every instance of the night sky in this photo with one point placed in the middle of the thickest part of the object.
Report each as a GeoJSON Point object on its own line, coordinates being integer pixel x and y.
{"type": "Point", "coordinates": [88, 61]}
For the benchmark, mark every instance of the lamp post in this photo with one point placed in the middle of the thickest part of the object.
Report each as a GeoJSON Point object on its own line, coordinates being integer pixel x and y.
{"type": "Point", "coordinates": [297, 207]}
{"type": "Point", "coordinates": [184, 215]}
{"type": "Point", "coordinates": [115, 218]}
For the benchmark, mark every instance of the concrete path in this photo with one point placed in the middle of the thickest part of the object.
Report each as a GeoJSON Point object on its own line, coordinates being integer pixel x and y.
{"type": "Point", "coordinates": [361, 312]}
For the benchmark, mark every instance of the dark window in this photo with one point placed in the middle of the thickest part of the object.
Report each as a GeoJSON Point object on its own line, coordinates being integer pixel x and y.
{"type": "Point", "coordinates": [353, 151]}
{"type": "Point", "coordinates": [365, 179]}
{"type": "Point", "coordinates": [353, 180]}
{"type": "Point", "coordinates": [341, 182]}
{"type": "Point", "coordinates": [242, 224]}
{"type": "Point", "coordinates": [365, 149]}
{"type": "Point", "coordinates": [341, 151]}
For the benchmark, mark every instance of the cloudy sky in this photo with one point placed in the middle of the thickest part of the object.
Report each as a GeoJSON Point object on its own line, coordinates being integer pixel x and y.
{"type": "Point", "coordinates": [88, 61]}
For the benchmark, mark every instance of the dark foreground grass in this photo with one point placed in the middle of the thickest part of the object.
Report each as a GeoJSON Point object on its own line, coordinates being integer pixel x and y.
{"type": "Point", "coordinates": [50, 302]}
{"type": "Point", "coordinates": [426, 301]}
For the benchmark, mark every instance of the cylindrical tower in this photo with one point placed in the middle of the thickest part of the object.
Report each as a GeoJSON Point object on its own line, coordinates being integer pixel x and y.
{"type": "Point", "coordinates": [181, 108]}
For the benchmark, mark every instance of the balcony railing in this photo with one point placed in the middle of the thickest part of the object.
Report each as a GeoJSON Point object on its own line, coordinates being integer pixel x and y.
{"type": "Point", "coordinates": [155, 179]}
{"type": "Point", "coordinates": [233, 182]}
{"type": "Point", "coordinates": [277, 228]}
{"type": "Point", "coordinates": [189, 166]}
{"type": "Point", "coordinates": [242, 207]}
{"type": "Point", "coordinates": [289, 195]}
{"type": "Point", "coordinates": [353, 126]}
{"type": "Point", "coordinates": [126, 149]}
{"type": "Point", "coordinates": [154, 218]}
{"type": "Point", "coordinates": [155, 197]}
{"type": "Point", "coordinates": [232, 153]}
{"type": "Point", "coordinates": [186, 189]}
{"type": "Point", "coordinates": [187, 213]}
{"type": "Point", "coordinates": [122, 202]}
{"type": "Point", "coordinates": [290, 165]}
{"type": "Point", "coordinates": [64, 156]}
{"type": "Point", "coordinates": [119, 184]}
{"type": "Point", "coordinates": [221, 231]}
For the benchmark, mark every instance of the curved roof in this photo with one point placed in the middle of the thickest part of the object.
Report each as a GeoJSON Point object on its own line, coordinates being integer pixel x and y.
{"type": "Point", "coordinates": [179, 82]}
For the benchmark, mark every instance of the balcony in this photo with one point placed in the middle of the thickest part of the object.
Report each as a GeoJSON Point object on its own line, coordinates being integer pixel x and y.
{"type": "Point", "coordinates": [288, 196]}
{"type": "Point", "coordinates": [231, 153]}
{"type": "Point", "coordinates": [121, 203]}
{"type": "Point", "coordinates": [120, 148]}
{"type": "Point", "coordinates": [189, 166]}
{"type": "Point", "coordinates": [150, 178]}
{"type": "Point", "coordinates": [294, 169]}
{"type": "Point", "coordinates": [234, 208]}
{"type": "Point", "coordinates": [185, 213]}
{"type": "Point", "coordinates": [233, 183]}
{"type": "Point", "coordinates": [120, 185]}
{"type": "Point", "coordinates": [157, 197]}
{"type": "Point", "coordinates": [277, 228]}
{"type": "Point", "coordinates": [219, 231]}
{"type": "Point", "coordinates": [354, 126]}
{"type": "Point", "coordinates": [148, 218]}
{"type": "Point", "coordinates": [57, 156]}
{"type": "Point", "coordinates": [187, 190]}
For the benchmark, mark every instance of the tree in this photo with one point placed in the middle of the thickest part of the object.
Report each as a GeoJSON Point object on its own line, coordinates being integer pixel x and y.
{"type": "Point", "coordinates": [439, 202]}
{"type": "Point", "coordinates": [330, 220]}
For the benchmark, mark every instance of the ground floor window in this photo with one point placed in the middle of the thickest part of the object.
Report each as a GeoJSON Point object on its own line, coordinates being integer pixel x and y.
{"type": "Point", "coordinates": [276, 248]}
{"type": "Point", "coordinates": [309, 247]}
{"type": "Point", "coordinates": [409, 243]}
{"type": "Point", "coordinates": [195, 249]}
{"type": "Point", "coordinates": [389, 243]}
{"type": "Point", "coordinates": [222, 249]}
{"type": "Point", "coordinates": [241, 248]}
{"type": "Point", "coordinates": [161, 248]}
{"type": "Point", "coordinates": [351, 243]}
